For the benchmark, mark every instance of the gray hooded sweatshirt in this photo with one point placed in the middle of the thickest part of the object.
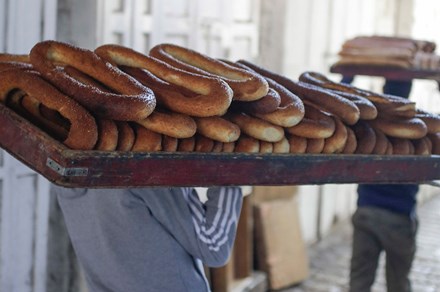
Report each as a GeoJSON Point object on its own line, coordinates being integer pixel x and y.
{"type": "Point", "coordinates": [150, 239]}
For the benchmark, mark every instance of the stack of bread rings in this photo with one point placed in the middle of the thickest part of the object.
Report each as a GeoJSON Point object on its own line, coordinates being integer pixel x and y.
{"type": "Point", "coordinates": [175, 99]}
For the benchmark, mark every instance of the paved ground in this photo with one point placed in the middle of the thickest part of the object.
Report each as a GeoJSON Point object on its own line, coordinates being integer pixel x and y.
{"type": "Point", "coordinates": [330, 258]}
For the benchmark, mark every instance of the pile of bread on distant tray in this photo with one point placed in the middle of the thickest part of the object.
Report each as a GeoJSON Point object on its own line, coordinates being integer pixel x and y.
{"type": "Point", "coordinates": [398, 52]}
{"type": "Point", "coordinates": [174, 99]}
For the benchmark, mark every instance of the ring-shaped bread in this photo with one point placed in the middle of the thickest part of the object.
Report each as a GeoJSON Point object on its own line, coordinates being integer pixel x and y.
{"type": "Point", "coordinates": [133, 101]}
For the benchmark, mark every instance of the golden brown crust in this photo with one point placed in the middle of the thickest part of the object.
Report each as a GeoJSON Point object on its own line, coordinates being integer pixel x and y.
{"type": "Point", "coordinates": [126, 136]}
{"type": "Point", "coordinates": [422, 146]}
{"type": "Point", "coordinates": [228, 147]}
{"type": "Point", "coordinates": [298, 145]}
{"type": "Point", "coordinates": [107, 135]}
{"type": "Point", "coordinates": [247, 144]}
{"type": "Point", "coordinates": [282, 146]}
{"type": "Point", "coordinates": [290, 110]}
{"type": "Point", "coordinates": [146, 140]}
{"type": "Point", "coordinates": [315, 146]}
{"type": "Point", "coordinates": [83, 132]}
{"type": "Point", "coordinates": [218, 129]}
{"type": "Point", "coordinates": [218, 147]}
{"type": "Point", "coordinates": [33, 113]}
{"type": "Point", "coordinates": [366, 108]}
{"type": "Point", "coordinates": [266, 147]}
{"type": "Point", "coordinates": [257, 128]}
{"type": "Point", "coordinates": [132, 102]}
{"type": "Point", "coordinates": [267, 104]}
{"type": "Point", "coordinates": [203, 144]}
{"type": "Point", "coordinates": [345, 109]}
{"type": "Point", "coordinates": [431, 120]}
{"type": "Point", "coordinates": [14, 65]}
{"type": "Point", "coordinates": [413, 128]}
{"type": "Point", "coordinates": [210, 96]}
{"type": "Point", "coordinates": [401, 146]}
{"type": "Point", "coordinates": [336, 143]}
{"type": "Point", "coordinates": [170, 123]}
{"type": "Point", "coordinates": [247, 86]}
{"type": "Point", "coordinates": [187, 144]}
{"type": "Point", "coordinates": [169, 144]}
{"type": "Point", "coordinates": [435, 141]}
{"type": "Point", "coordinates": [351, 144]}
{"type": "Point", "coordinates": [381, 143]}
{"type": "Point", "coordinates": [366, 138]}
{"type": "Point", "coordinates": [389, 149]}
{"type": "Point", "coordinates": [315, 124]}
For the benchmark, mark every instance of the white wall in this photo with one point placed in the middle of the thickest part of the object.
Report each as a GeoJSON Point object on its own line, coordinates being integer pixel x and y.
{"type": "Point", "coordinates": [314, 33]}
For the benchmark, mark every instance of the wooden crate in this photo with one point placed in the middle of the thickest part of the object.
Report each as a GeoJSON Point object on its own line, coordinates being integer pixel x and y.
{"type": "Point", "coordinates": [96, 169]}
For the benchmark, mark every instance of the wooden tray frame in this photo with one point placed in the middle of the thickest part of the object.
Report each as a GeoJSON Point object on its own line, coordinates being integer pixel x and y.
{"type": "Point", "coordinates": [388, 72]}
{"type": "Point", "coordinates": [99, 169]}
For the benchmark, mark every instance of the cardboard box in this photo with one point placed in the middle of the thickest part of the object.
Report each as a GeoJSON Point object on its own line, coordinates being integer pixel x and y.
{"type": "Point", "coordinates": [280, 250]}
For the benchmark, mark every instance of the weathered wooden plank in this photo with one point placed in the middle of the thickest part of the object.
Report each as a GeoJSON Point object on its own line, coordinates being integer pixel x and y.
{"type": "Point", "coordinates": [389, 72]}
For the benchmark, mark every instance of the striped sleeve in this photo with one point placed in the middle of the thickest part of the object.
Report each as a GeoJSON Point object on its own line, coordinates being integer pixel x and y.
{"type": "Point", "coordinates": [215, 222]}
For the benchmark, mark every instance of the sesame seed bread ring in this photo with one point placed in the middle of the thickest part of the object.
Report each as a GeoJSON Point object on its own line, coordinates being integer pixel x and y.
{"type": "Point", "coordinates": [322, 81]}
{"type": "Point", "coordinates": [383, 102]}
{"type": "Point", "coordinates": [315, 124]}
{"type": "Point", "coordinates": [291, 109]}
{"type": "Point", "coordinates": [381, 143]}
{"type": "Point", "coordinates": [267, 104]}
{"type": "Point", "coordinates": [126, 136]}
{"type": "Point", "coordinates": [290, 112]}
{"type": "Point", "coordinates": [170, 123]}
{"type": "Point", "coordinates": [422, 146]}
{"type": "Point", "coordinates": [367, 110]}
{"type": "Point", "coordinates": [228, 147]}
{"type": "Point", "coordinates": [282, 146]}
{"type": "Point", "coordinates": [330, 102]}
{"type": "Point", "coordinates": [256, 128]}
{"type": "Point", "coordinates": [186, 144]}
{"type": "Point", "coordinates": [218, 129]}
{"type": "Point", "coordinates": [431, 120]}
{"type": "Point", "coordinates": [247, 86]}
{"type": "Point", "coordinates": [33, 108]}
{"type": "Point", "coordinates": [351, 144]}
{"type": "Point", "coordinates": [133, 101]}
{"type": "Point", "coordinates": [14, 65]}
{"type": "Point", "coordinates": [413, 128]}
{"type": "Point", "coordinates": [107, 135]}
{"type": "Point", "coordinates": [247, 144]}
{"type": "Point", "coordinates": [218, 147]}
{"type": "Point", "coordinates": [336, 142]}
{"type": "Point", "coordinates": [401, 146]}
{"type": "Point", "coordinates": [146, 140]}
{"type": "Point", "coordinates": [203, 144]}
{"type": "Point", "coordinates": [298, 144]}
{"type": "Point", "coordinates": [83, 132]}
{"type": "Point", "coordinates": [315, 146]}
{"type": "Point", "coordinates": [435, 141]}
{"type": "Point", "coordinates": [266, 147]}
{"type": "Point", "coordinates": [211, 96]}
{"type": "Point", "coordinates": [169, 144]}
{"type": "Point", "coordinates": [366, 138]}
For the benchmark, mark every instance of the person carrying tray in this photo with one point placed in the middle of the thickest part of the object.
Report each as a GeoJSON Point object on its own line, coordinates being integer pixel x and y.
{"type": "Point", "coordinates": [150, 239]}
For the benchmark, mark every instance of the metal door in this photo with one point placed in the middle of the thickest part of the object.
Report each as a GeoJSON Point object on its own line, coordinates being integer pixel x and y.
{"type": "Point", "coordinates": [209, 26]}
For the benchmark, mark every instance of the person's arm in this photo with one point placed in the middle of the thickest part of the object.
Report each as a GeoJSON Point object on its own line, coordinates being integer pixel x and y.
{"type": "Point", "coordinates": [206, 231]}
